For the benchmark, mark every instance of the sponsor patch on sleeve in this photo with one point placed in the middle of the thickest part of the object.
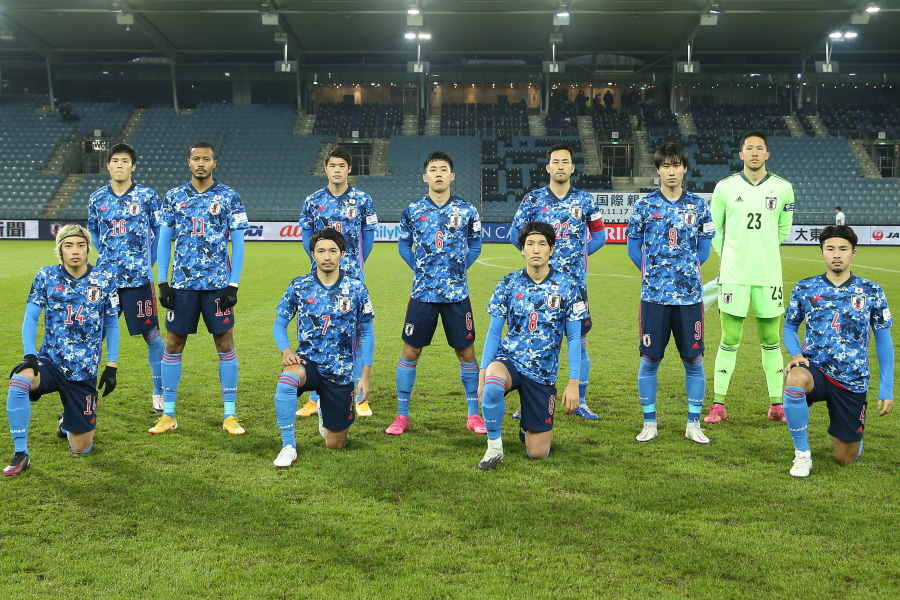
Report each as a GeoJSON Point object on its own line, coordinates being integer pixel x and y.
{"type": "Point", "coordinates": [578, 307]}
{"type": "Point", "coordinates": [367, 308]}
{"type": "Point", "coordinates": [114, 299]}
{"type": "Point", "coordinates": [886, 314]}
{"type": "Point", "coordinates": [709, 227]}
{"type": "Point", "coordinates": [240, 217]}
{"type": "Point", "coordinates": [372, 220]}
{"type": "Point", "coordinates": [476, 225]}
{"type": "Point", "coordinates": [789, 207]}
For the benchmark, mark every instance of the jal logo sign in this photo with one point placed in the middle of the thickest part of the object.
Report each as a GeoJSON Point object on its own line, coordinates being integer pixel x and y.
{"type": "Point", "coordinates": [889, 236]}
{"type": "Point", "coordinates": [877, 235]}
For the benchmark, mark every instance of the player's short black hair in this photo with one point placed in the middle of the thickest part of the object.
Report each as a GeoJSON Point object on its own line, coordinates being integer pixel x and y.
{"type": "Point", "coordinates": [436, 156]}
{"type": "Point", "coordinates": [328, 233]}
{"type": "Point", "coordinates": [845, 232]}
{"type": "Point", "coordinates": [122, 148]}
{"type": "Point", "coordinates": [202, 145]}
{"type": "Point", "coordinates": [837, 208]}
{"type": "Point", "coordinates": [759, 134]}
{"type": "Point", "coordinates": [539, 227]}
{"type": "Point", "coordinates": [339, 152]}
{"type": "Point", "coordinates": [565, 147]}
{"type": "Point", "coordinates": [672, 152]}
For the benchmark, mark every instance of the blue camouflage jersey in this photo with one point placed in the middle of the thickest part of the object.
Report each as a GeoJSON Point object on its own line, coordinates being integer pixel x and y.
{"type": "Point", "coordinates": [671, 232]}
{"type": "Point", "coordinates": [440, 237]}
{"type": "Point", "coordinates": [125, 228]}
{"type": "Point", "coordinates": [202, 224]}
{"type": "Point", "coordinates": [327, 318]}
{"type": "Point", "coordinates": [74, 310]}
{"type": "Point", "coordinates": [351, 213]}
{"type": "Point", "coordinates": [573, 219]}
{"type": "Point", "coordinates": [536, 316]}
{"type": "Point", "coordinates": [837, 325]}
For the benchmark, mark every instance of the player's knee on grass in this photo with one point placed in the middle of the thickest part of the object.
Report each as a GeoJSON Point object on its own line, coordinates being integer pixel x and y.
{"type": "Point", "coordinates": [799, 377]}
{"type": "Point", "coordinates": [845, 452]}
{"type": "Point", "coordinates": [335, 440]}
{"type": "Point", "coordinates": [29, 374]}
{"type": "Point", "coordinates": [298, 371]}
{"type": "Point", "coordinates": [175, 343]}
{"type": "Point", "coordinates": [80, 442]}
{"type": "Point", "coordinates": [411, 352]}
{"type": "Point", "coordinates": [537, 444]}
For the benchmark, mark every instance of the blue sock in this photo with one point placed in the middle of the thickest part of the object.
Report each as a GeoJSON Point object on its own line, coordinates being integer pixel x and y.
{"type": "Point", "coordinates": [468, 373]}
{"type": "Point", "coordinates": [170, 371]}
{"type": "Point", "coordinates": [18, 411]}
{"type": "Point", "coordinates": [797, 413]}
{"type": "Point", "coordinates": [493, 405]}
{"type": "Point", "coordinates": [228, 377]}
{"type": "Point", "coordinates": [286, 407]}
{"type": "Point", "coordinates": [694, 388]}
{"type": "Point", "coordinates": [584, 374]}
{"type": "Point", "coordinates": [647, 387]}
{"type": "Point", "coordinates": [406, 377]}
{"type": "Point", "coordinates": [154, 355]}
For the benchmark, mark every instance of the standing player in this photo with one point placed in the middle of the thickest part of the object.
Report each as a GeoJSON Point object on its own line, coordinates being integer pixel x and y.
{"type": "Point", "coordinates": [537, 304]}
{"type": "Point", "coordinates": [200, 216]}
{"type": "Point", "coordinates": [440, 238]}
{"type": "Point", "coordinates": [669, 237]}
{"type": "Point", "coordinates": [579, 232]}
{"type": "Point", "coordinates": [833, 363]}
{"type": "Point", "coordinates": [351, 212]}
{"type": "Point", "coordinates": [122, 219]}
{"type": "Point", "coordinates": [332, 308]}
{"type": "Point", "coordinates": [752, 212]}
{"type": "Point", "coordinates": [80, 308]}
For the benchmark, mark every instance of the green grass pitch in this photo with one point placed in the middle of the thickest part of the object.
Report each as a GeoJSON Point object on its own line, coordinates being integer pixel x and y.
{"type": "Point", "coordinates": [196, 513]}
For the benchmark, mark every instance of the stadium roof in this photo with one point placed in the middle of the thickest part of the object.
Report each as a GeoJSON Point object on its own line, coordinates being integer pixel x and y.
{"type": "Point", "coordinates": [372, 31]}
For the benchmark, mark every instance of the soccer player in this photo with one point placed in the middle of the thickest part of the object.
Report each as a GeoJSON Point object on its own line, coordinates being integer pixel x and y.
{"type": "Point", "coordinates": [579, 230]}
{"type": "Point", "coordinates": [832, 366]}
{"type": "Point", "coordinates": [80, 308]}
{"type": "Point", "coordinates": [122, 219]}
{"type": "Point", "coordinates": [351, 212]}
{"type": "Point", "coordinates": [669, 236]}
{"type": "Point", "coordinates": [200, 216]}
{"type": "Point", "coordinates": [752, 213]}
{"type": "Point", "coordinates": [839, 217]}
{"type": "Point", "coordinates": [538, 304]}
{"type": "Point", "coordinates": [332, 308]}
{"type": "Point", "coordinates": [440, 238]}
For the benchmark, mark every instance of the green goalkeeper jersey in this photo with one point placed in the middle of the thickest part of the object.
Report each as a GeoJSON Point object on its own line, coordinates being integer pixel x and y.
{"type": "Point", "coordinates": [751, 222]}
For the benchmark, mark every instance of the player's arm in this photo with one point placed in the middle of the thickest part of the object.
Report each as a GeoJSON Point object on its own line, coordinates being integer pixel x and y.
{"type": "Point", "coordinates": [404, 241]}
{"type": "Point", "coordinates": [635, 237]}
{"type": "Point", "coordinates": [704, 249]}
{"type": "Point", "coordinates": [595, 225]}
{"type": "Point", "coordinates": [368, 242]}
{"type": "Point", "coordinates": [635, 251]}
{"type": "Point", "coordinates": [473, 235]}
{"type": "Point", "coordinates": [107, 382]}
{"type": "Point", "coordinates": [521, 218]}
{"type": "Point", "coordinates": [93, 225]}
{"type": "Point", "coordinates": [367, 350]}
{"type": "Point", "coordinates": [29, 328]}
{"type": "Point", "coordinates": [573, 343]}
{"type": "Point", "coordinates": [370, 220]}
{"type": "Point", "coordinates": [307, 240]}
{"type": "Point", "coordinates": [717, 210]}
{"type": "Point", "coordinates": [790, 332]}
{"type": "Point", "coordinates": [284, 313]}
{"type": "Point", "coordinates": [153, 220]}
{"type": "Point", "coordinates": [786, 216]}
{"type": "Point", "coordinates": [884, 349]}
{"type": "Point", "coordinates": [163, 254]}
{"type": "Point", "coordinates": [306, 228]}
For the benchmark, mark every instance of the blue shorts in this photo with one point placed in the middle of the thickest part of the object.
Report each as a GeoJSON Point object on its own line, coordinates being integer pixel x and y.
{"type": "Point", "coordinates": [586, 323]}
{"type": "Point", "coordinates": [79, 398]}
{"type": "Point", "coordinates": [421, 321]}
{"type": "Point", "coordinates": [538, 400]}
{"type": "Point", "coordinates": [189, 304]}
{"type": "Point", "coordinates": [657, 321]}
{"type": "Point", "coordinates": [846, 409]}
{"type": "Point", "coordinates": [139, 306]}
{"type": "Point", "coordinates": [335, 400]}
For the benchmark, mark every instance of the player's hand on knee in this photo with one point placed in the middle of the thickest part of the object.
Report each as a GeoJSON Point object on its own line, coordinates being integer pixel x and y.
{"type": "Point", "coordinates": [228, 296]}
{"type": "Point", "coordinates": [29, 361]}
{"type": "Point", "coordinates": [796, 361]}
{"type": "Point", "coordinates": [570, 396]}
{"type": "Point", "coordinates": [107, 381]}
{"type": "Point", "coordinates": [166, 296]}
{"type": "Point", "coordinates": [885, 406]}
{"type": "Point", "coordinates": [289, 359]}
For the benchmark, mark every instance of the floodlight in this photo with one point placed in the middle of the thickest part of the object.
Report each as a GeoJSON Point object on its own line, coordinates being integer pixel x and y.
{"type": "Point", "coordinates": [872, 8]}
{"type": "Point", "coordinates": [850, 35]}
{"type": "Point", "coordinates": [714, 8]}
{"type": "Point", "coordinates": [836, 35]}
{"type": "Point", "coordinates": [413, 11]}
{"type": "Point", "coordinates": [410, 35]}
{"type": "Point", "coordinates": [424, 35]}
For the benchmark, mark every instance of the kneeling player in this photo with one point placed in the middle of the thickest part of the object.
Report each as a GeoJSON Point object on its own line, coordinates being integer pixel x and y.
{"type": "Point", "coordinates": [833, 364]}
{"type": "Point", "coordinates": [80, 307]}
{"type": "Point", "coordinates": [537, 304]}
{"type": "Point", "coordinates": [329, 307]}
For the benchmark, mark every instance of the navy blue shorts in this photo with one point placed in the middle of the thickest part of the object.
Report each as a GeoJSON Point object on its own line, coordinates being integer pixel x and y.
{"type": "Point", "coordinates": [79, 398]}
{"type": "Point", "coordinates": [586, 323]}
{"type": "Point", "coordinates": [846, 409]}
{"type": "Point", "coordinates": [421, 321]}
{"type": "Point", "coordinates": [335, 400]}
{"type": "Point", "coordinates": [657, 321]}
{"type": "Point", "coordinates": [538, 400]}
{"type": "Point", "coordinates": [139, 306]}
{"type": "Point", "coordinates": [189, 304]}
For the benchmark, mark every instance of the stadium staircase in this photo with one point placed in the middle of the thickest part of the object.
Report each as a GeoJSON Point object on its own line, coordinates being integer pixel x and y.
{"type": "Point", "coordinates": [794, 126]}
{"type": "Point", "coordinates": [865, 161]}
{"type": "Point", "coordinates": [536, 126]}
{"type": "Point", "coordinates": [644, 168]}
{"type": "Point", "coordinates": [433, 125]}
{"type": "Point", "coordinates": [304, 124]}
{"type": "Point", "coordinates": [817, 125]}
{"type": "Point", "coordinates": [131, 125]}
{"type": "Point", "coordinates": [62, 154]}
{"type": "Point", "coordinates": [378, 161]}
{"type": "Point", "coordinates": [410, 125]}
{"type": "Point", "coordinates": [324, 149]}
{"type": "Point", "coordinates": [63, 196]}
{"type": "Point", "coordinates": [588, 145]}
{"type": "Point", "coordinates": [686, 125]}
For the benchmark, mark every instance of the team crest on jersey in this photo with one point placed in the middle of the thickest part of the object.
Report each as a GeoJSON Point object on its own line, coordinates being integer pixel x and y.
{"type": "Point", "coordinates": [93, 294]}
{"type": "Point", "coordinates": [351, 200]}
{"type": "Point", "coordinates": [690, 218]}
{"type": "Point", "coordinates": [771, 201]}
{"type": "Point", "coordinates": [351, 211]}
{"type": "Point", "coordinates": [726, 298]}
{"type": "Point", "coordinates": [133, 208]}
{"type": "Point", "coordinates": [344, 303]}
{"type": "Point", "coordinates": [215, 207]}
{"type": "Point", "coordinates": [455, 220]}
{"type": "Point", "coordinates": [553, 300]}
{"type": "Point", "coordinates": [409, 328]}
{"type": "Point", "coordinates": [858, 302]}
{"type": "Point", "coordinates": [575, 211]}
